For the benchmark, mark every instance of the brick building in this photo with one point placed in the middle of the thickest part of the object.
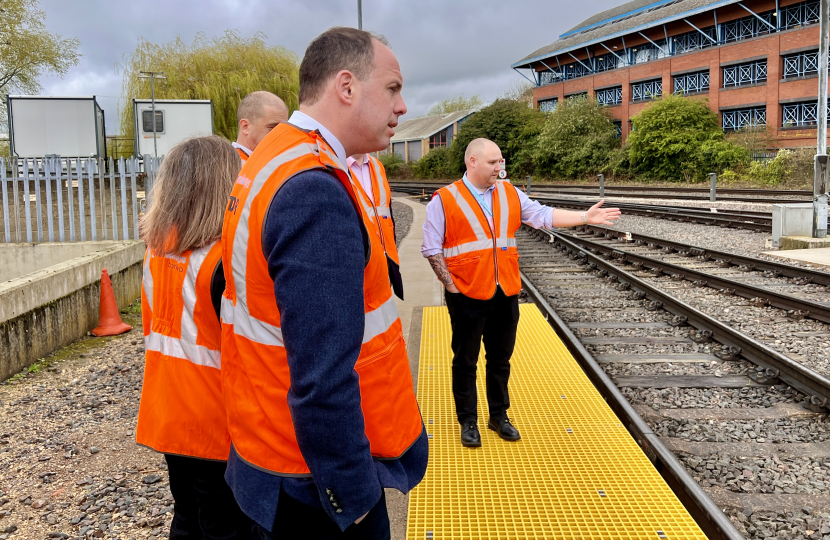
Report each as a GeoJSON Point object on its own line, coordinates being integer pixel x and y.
{"type": "Point", "coordinates": [756, 61]}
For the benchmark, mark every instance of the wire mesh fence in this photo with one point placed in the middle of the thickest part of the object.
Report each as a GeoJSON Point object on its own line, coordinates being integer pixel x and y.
{"type": "Point", "coordinates": [55, 199]}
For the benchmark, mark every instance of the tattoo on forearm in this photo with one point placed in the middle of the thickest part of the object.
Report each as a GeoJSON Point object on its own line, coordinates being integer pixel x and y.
{"type": "Point", "coordinates": [439, 266]}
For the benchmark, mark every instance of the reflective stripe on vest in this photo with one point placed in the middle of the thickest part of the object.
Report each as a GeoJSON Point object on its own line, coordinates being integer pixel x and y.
{"type": "Point", "coordinates": [256, 378]}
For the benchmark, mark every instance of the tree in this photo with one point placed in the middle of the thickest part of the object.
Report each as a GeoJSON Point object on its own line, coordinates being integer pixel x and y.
{"type": "Point", "coordinates": [679, 138]}
{"type": "Point", "coordinates": [456, 104]}
{"type": "Point", "coordinates": [223, 69]}
{"type": "Point", "coordinates": [28, 50]}
{"type": "Point", "coordinates": [510, 124]}
{"type": "Point", "coordinates": [521, 91]}
{"type": "Point", "coordinates": [576, 140]}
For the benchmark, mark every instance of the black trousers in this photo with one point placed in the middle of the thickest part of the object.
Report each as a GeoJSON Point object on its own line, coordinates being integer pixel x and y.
{"type": "Point", "coordinates": [203, 504]}
{"type": "Point", "coordinates": [298, 521]}
{"type": "Point", "coordinates": [496, 321]}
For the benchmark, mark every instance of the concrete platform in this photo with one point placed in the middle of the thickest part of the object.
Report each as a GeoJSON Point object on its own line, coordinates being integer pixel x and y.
{"type": "Point", "coordinates": [421, 288]}
{"type": "Point", "coordinates": [788, 243]}
{"type": "Point", "coordinates": [814, 257]}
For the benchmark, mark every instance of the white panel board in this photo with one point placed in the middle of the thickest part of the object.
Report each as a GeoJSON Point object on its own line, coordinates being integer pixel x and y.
{"type": "Point", "coordinates": [66, 127]}
{"type": "Point", "coordinates": [182, 120]}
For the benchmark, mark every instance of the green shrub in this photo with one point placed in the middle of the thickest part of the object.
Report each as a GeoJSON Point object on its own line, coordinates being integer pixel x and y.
{"type": "Point", "coordinates": [436, 164]}
{"type": "Point", "coordinates": [503, 122]}
{"type": "Point", "coordinates": [390, 159]}
{"type": "Point", "coordinates": [576, 140]}
{"type": "Point", "coordinates": [618, 163]}
{"type": "Point", "coordinates": [669, 137]}
{"type": "Point", "coordinates": [717, 156]}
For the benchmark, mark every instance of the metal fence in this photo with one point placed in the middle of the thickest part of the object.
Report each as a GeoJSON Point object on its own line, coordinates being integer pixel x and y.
{"type": "Point", "coordinates": [54, 199]}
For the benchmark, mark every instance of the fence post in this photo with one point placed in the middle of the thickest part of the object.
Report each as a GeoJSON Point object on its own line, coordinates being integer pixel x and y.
{"type": "Point", "coordinates": [133, 173]}
{"type": "Point", "coordinates": [713, 181]}
{"type": "Point", "coordinates": [601, 185]}
{"type": "Point", "coordinates": [57, 164]}
{"type": "Point", "coordinates": [27, 206]}
{"type": "Point", "coordinates": [47, 175]}
{"type": "Point", "coordinates": [6, 220]}
{"type": "Point", "coordinates": [529, 181]}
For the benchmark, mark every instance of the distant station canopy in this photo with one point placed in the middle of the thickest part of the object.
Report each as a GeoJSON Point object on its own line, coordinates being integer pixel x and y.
{"type": "Point", "coordinates": [639, 51]}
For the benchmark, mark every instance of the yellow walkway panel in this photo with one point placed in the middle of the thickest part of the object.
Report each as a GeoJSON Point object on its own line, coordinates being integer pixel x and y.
{"type": "Point", "coordinates": [576, 473]}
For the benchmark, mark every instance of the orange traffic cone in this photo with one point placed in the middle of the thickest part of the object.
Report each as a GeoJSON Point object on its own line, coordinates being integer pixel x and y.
{"type": "Point", "coordinates": [109, 322]}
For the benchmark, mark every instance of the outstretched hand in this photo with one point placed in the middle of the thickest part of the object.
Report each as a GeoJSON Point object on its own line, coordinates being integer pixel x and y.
{"type": "Point", "coordinates": [597, 215]}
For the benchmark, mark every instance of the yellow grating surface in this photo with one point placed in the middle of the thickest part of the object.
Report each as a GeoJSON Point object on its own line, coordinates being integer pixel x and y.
{"type": "Point", "coordinates": [551, 483]}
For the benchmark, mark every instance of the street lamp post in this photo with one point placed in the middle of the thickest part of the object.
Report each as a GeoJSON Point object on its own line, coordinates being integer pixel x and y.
{"type": "Point", "coordinates": [359, 15]}
{"type": "Point", "coordinates": [153, 75]}
{"type": "Point", "coordinates": [820, 173]}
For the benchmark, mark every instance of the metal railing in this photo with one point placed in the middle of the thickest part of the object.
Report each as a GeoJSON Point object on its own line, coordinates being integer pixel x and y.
{"type": "Point", "coordinates": [54, 199]}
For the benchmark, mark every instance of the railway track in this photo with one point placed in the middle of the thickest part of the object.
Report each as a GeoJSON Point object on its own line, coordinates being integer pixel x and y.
{"type": "Point", "coordinates": [649, 192]}
{"type": "Point", "coordinates": [718, 405]}
{"type": "Point", "coordinates": [742, 219]}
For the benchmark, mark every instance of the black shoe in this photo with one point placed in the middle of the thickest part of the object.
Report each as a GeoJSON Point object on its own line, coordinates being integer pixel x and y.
{"type": "Point", "coordinates": [505, 429]}
{"type": "Point", "coordinates": [470, 437]}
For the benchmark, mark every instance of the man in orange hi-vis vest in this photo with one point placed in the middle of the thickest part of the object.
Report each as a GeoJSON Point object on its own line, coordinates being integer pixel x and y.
{"type": "Point", "coordinates": [469, 239]}
{"type": "Point", "coordinates": [258, 113]}
{"type": "Point", "coordinates": [371, 174]}
{"type": "Point", "coordinates": [321, 408]}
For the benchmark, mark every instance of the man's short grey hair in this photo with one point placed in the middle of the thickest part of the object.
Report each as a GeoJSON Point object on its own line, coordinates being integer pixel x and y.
{"type": "Point", "coordinates": [252, 105]}
{"type": "Point", "coordinates": [335, 50]}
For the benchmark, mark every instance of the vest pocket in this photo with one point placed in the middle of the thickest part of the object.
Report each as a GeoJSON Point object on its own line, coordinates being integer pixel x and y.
{"type": "Point", "coordinates": [463, 260]}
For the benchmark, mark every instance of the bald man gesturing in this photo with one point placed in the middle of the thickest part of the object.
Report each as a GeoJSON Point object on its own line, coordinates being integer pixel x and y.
{"type": "Point", "coordinates": [470, 243]}
{"type": "Point", "coordinates": [258, 113]}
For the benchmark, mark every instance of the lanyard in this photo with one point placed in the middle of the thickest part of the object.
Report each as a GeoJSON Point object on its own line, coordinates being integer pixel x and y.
{"type": "Point", "coordinates": [478, 197]}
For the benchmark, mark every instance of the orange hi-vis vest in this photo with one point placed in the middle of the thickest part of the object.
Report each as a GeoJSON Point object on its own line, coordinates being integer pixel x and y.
{"type": "Point", "coordinates": [382, 203]}
{"type": "Point", "coordinates": [182, 411]}
{"type": "Point", "coordinates": [242, 155]}
{"type": "Point", "coordinates": [255, 372]}
{"type": "Point", "coordinates": [478, 257]}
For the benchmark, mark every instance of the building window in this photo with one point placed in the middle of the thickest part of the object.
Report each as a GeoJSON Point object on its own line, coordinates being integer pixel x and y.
{"type": "Point", "coordinates": [690, 83]}
{"type": "Point", "coordinates": [804, 113]}
{"type": "Point", "coordinates": [748, 27]}
{"type": "Point", "coordinates": [801, 64]}
{"type": "Point", "coordinates": [646, 90]}
{"type": "Point", "coordinates": [439, 140]}
{"type": "Point", "coordinates": [799, 14]}
{"type": "Point", "coordinates": [743, 74]}
{"type": "Point", "coordinates": [606, 62]}
{"type": "Point", "coordinates": [618, 127]}
{"type": "Point", "coordinates": [741, 118]}
{"type": "Point", "coordinates": [575, 97]}
{"type": "Point", "coordinates": [610, 96]}
{"type": "Point", "coordinates": [694, 40]}
{"type": "Point", "coordinates": [548, 105]}
{"type": "Point", "coordinates": [147, 121]}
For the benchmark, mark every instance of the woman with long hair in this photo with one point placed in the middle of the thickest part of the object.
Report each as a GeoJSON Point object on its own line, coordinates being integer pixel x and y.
{"type": "Point", "coordinates": [181, 412]}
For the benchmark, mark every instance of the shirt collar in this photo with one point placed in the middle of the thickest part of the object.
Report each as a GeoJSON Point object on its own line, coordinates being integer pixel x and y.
{"type": "Point", "coordinates": [489, 189]}
{"type": "Point", "coordinates": [351, 162]}
{"type": "Point", "coordinates": [304, 121]}
{"type": "Point", "coordinates": [243, 148]}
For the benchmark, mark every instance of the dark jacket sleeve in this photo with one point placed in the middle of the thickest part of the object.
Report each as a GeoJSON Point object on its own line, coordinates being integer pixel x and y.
{"type": "Point", "coordinates": [315, 248]}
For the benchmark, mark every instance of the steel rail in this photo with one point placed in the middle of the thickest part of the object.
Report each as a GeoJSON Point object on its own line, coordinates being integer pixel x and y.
{"type": "Point", "coordinates": [776, 365]}
{"type": "Point", "coordinates": [709, 517]}
{"type": "Point", "coordinates": [761, 265]}
{"type": "Point", "coordinates": [803, 308]}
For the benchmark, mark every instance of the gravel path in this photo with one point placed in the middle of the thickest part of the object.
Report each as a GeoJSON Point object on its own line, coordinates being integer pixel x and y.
{"type": "Point", "coordinates": [403, 220]}
{"type": "Point", "coordinates": [69, 464]}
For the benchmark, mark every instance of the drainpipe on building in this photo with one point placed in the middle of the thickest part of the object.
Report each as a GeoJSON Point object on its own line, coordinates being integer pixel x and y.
{"type": "Point", "coordinates": [820, 177]}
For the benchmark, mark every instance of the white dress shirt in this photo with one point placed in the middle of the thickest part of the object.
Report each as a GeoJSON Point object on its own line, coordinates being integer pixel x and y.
{"type": "Point", "coordinates": [244, 149]}
{"type": "Point", "coordinates": [304, 121]}
{"type": "Point", "coordinates": [534, 214]}
{"type": "Point", "coordinates": [360, 171]}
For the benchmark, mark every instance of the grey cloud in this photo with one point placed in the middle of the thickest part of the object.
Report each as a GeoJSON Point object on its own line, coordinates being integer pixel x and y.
{"type": "Point", "coordinates": [446, 48]}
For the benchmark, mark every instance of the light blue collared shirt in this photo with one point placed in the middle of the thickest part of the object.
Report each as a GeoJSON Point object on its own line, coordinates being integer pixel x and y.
{"type": "Point", "coordinates": [534, 214]}
{"type": "Point", "coordinates": [304, 121]}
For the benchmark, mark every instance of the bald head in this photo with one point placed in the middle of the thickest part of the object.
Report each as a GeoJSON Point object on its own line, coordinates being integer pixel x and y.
{"type": "Point", "coordinates": [258, 113]}
{"type": "Point", "coordinates": [484, 161]}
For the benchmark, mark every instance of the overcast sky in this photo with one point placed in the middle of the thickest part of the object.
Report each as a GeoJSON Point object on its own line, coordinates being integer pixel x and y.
{"type": "Point", "coordinates": [446, 48]}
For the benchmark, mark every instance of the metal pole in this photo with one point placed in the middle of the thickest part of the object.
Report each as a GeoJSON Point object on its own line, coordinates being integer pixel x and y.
{"type": "Point", "coordinates": [529, 180]}
{"type": "Point", "coordinates": [601, 185]}
{"type": "Point", "coordinates": [153, 106]}
{"type": "Point", "coordinates": [820, 178]}
{"type": "Point", "coordinates": [713, 187]}
{"type": "Point", "coordinates": [359, 15]}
